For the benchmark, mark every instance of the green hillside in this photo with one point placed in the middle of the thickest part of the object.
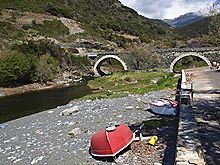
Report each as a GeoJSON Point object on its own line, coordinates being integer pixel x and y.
{"type": "Point", "coordinates": [196, 29]}
{"type": "Point", "coordinates": [100, 18]}
{"type": "Point", "coordinates": [39, 39]}
{"type": "Point", "coordinates": [204, 33]}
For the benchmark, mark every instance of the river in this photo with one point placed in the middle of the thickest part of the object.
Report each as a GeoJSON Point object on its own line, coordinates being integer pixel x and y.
{"type": "Point", "coordinates": [13, 107]}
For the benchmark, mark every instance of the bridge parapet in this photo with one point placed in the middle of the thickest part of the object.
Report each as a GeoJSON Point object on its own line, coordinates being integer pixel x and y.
{"type": "Point", "coordinates": [181, 50]}
{"type": "Point", "coordinates": [171, 56]}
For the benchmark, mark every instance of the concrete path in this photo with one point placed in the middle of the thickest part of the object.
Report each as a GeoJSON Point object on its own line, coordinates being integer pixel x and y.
{"type": "Point", "coordinates": [206, 106]}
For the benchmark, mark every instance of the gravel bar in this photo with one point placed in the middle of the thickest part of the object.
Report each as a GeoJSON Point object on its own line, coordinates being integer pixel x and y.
{"type": "Point", "coordinates": [43, 138]}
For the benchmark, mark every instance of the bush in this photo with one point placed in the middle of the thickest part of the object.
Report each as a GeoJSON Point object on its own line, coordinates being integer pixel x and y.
{"type": "Point", "coordinates": [47, 67]}
{"type": "Point", "coordinates": [79, 61]}
{"type": "Point", "coordinates": [19, 68]}
{"type": "Point", "coordinates": [16, 68]}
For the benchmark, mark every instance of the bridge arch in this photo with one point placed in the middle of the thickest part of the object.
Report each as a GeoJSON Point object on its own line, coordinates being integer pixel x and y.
{"type": "Point", "coordinates": [186, 55]}
{"type": "Point", "coordinates": [96, 68]}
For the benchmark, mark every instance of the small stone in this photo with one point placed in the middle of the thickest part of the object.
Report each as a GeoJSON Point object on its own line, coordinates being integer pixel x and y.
{"type": "Point", "coordinates": [129, 107]}
{"type": "Point", "coordinates": [157, 164]}
{"type": "Point", "coordinates": [37, 159]}
{"type": "Point", "coordinates": [2, 94]}
{"type": "Point", "coordinates": [17, 160]}
{"type": "Point", "coordinates": [138, 108]}
{"type": "Point", "coordinates": [155, 81]}
{"type": "Point", "coordinates": [139, 99]}
{"type": "Point", "coordinates": [88, 101]}
{"type": "Point", "coordinates": [70, 111]}
{"type": "Point", "coordinates": [17, 147]}
{"type": "Point", "coordinates": [70, 123]}
{"type": "Point", "coordinates": [50, 112]}
{"type": "Point", "coordinates": [75, 132]}
{"type": "Point", "coordinates": [39, 131]}
{"type": "Point", "coordinates": [197, 161]}
{"type": "Point", "coordinates": [182, 163]}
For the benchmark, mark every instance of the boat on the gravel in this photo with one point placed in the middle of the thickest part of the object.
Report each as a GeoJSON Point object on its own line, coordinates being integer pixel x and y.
{"type": "Point", "coordinates": [110, 141]}
{"type": "Point", "coordinates": [164, 107]}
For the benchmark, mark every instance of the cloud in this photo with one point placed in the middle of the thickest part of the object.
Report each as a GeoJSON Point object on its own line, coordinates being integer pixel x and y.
{"type": "Point", "coordinates": [152, 8]}
{"type": "Point", "coordinates": [161, 9]}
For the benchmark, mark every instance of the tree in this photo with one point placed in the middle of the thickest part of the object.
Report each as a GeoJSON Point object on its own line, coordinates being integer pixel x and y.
{"type": "Point", "coordinates": [214, 28]}
{"type": "Point", "coordinates": [144, 57]}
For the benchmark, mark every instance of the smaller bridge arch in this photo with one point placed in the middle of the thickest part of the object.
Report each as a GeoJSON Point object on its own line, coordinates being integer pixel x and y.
{"type": "Point", "coordinates": [189, 54]}
{"type": "Point", "coordinates": [96, 68]}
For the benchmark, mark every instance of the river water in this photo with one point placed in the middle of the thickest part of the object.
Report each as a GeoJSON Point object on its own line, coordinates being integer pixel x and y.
{"type": "Point", "coordinates": [13, 107]}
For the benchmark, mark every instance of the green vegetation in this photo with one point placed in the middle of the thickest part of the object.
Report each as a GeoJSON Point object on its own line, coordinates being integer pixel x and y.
{"type": "Point", "coordinates": [31, 62]}
{"type": "Point", "coordinates": [106, 21]}
{"type": "Point", "coordinates": [46, 68]}
{"type": "Point", "coordinates": [37, 61]}
{"type": "Point", "coordinates": [103, 20]}
{"type": "Point", "coordinates": [143, 56]}
{"type": "Point", "coordinates": [203, 33]}
{"type": "Point", "coordinates": [7, 30]}
{"type": "Point", "coordinates": [100, 18]}
{"type": "Point", "coordinates": [18, 68]}
{"type": "Point", "coordinates": [197, 29]}
{"type": "Point", "coordinates": [120, 84]}
{"type": "Point", "coordinates": [53, 28]}
{"type": "Point", "coordinates": [79, 61]}
{"type": "Point", "coordinates": [111, 66]}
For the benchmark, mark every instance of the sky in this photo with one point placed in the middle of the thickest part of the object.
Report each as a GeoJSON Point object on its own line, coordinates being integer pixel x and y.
{"type": "Point", "coordinates": [161, 9]}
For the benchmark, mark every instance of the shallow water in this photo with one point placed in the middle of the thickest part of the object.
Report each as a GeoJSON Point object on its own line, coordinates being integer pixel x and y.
{"type": "Point", "coordinates": [13, 107]}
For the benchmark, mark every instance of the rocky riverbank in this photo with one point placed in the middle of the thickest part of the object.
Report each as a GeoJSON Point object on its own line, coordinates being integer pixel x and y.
{"type": "Point", "coordinates": [28, 88]}
{"type": "Point", "coordinates": [44, 138]}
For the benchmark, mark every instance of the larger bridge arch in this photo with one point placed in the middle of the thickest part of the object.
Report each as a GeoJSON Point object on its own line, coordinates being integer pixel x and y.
{"type": "Point", "coordinates": [187, 55]}
{"type": "Point", "coordinates": [96, 68]}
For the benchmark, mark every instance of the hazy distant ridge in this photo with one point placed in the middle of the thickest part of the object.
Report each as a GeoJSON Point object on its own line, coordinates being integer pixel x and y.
{"type": "Point", "coordinates": [185, 19]}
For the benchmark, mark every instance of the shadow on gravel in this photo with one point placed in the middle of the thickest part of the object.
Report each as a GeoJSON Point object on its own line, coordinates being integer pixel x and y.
{"type": "Point", "coordinates": [207, 112]}
{"type": "Point", "coordinates": [166, 130]}
{"type": "Point", "coordinates": [109, 159]}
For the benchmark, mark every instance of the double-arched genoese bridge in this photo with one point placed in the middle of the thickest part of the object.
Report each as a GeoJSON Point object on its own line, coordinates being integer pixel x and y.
{"type": "Point", "coordinates": [169, 57]}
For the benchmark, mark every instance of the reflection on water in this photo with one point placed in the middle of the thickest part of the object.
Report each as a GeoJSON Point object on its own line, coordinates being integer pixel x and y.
{"type": "Point", "coordinates": [12, 107]}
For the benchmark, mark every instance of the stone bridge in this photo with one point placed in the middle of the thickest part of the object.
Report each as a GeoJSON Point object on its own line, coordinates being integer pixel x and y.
{"type": "Point", "coordinates": [169, 57]}
{"type": "Point", "coordinates": [99, 58]}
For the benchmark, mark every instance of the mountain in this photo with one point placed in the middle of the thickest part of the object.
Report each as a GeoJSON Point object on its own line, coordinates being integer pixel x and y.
{"type": "Point", "coordinates": [185, 19]}
{"type": "Point", "coordinates": [195, 29]}
{"type": "Point", "coordinates": [40, 40]}
{"type": "Point", "coordinates": [102, 20]}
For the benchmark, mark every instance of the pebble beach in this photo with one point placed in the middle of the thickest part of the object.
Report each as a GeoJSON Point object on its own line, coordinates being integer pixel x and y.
{"type": "Point", "coordinates": [62, 135]}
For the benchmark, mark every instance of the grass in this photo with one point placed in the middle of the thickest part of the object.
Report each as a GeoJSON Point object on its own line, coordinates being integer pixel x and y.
{"type": "Point", "coordinates": [121, 84]}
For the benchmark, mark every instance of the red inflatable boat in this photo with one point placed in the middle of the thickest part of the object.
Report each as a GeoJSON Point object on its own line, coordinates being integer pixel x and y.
{"type": "Point", "coordinates": [111, 141]}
